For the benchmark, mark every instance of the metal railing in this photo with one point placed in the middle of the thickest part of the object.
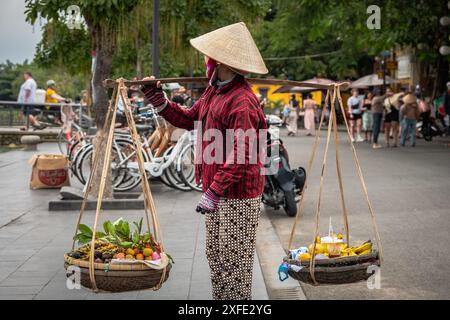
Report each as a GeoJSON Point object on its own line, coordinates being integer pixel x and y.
{"type": "Point", "coordinates": [10, 112]}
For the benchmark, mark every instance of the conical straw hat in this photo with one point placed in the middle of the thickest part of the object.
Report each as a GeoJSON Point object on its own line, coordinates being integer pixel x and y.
{"type": "Point", "coordinates": [233, 46]}
{"type": "Point", "coordinates": [409, 99]}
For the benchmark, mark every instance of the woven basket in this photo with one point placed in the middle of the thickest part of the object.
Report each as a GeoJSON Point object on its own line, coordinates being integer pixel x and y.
{"type": "Point", "coordinates": [119, 278]}
{"type": "Point", "coordinates": [337, 270]}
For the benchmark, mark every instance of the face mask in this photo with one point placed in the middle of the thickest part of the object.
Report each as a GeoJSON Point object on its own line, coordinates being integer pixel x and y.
{"type": "Point", "coordinates": [210, 68]}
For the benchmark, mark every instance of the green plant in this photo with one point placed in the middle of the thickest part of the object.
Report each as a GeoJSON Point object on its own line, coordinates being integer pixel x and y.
{"type": "Point", "coordinates": [118, 233]}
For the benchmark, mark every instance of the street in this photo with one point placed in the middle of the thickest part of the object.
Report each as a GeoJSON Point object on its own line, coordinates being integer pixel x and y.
{"type": "Point", "coordinates": [407, 187]}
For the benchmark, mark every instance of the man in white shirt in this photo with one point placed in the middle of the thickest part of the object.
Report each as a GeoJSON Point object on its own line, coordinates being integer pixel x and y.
{"type": "Point", "coordinates": [27, 94]}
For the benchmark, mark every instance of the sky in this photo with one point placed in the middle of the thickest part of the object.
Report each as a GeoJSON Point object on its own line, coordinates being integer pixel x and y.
{"type": "Point", "coordinates": [18, 39]}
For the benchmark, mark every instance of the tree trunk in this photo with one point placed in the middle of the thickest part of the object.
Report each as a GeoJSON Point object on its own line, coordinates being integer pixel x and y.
{"type": "Point", "coordinates": [105, 48]}
{"type": "Point", "coordinates": [139, 62]}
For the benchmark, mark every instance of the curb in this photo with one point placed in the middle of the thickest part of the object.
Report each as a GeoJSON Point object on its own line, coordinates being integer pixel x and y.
{"type": "Point", "coordinates": [270, 253]}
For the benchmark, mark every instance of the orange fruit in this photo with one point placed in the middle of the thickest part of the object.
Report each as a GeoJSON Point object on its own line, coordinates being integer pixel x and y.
{"type": "Point", "coordinates": [130, 252]}
{"type": "Point", "coordinates": [139, 256]}
{"type": "Point", "coordinates": [129, 257]}
{"type": "Point", "coordinates": [147, 252]}
{"type": "Point", "coordinates": [120, 256]}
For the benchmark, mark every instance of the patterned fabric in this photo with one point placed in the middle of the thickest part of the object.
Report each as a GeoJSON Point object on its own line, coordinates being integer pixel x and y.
{"type": "Point", "coordinates": [230, 247]}
{"type": "Point", "coordinates": [233, 106]}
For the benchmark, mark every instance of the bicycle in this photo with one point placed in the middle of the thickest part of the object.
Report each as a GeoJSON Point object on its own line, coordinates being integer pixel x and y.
{"type": "Point", "coordinates": [172, 164]}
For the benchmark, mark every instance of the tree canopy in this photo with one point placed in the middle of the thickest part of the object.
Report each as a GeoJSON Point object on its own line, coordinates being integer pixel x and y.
{"type": "Point", "coordinates": [300, 39]}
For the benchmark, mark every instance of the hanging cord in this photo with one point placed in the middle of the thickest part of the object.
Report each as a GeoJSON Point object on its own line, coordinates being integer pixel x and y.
{"type": "Point", "coordinates": [308, 171]}
{"type": "Point", "coordinates": [322, 178]}
{"type": "Point", "coordinates": [94, 168]}
{"type": "Point", "coordinates": [362, 181]}
{"type": "Point", "coordinates": [339, 174]}
{"type": "Point", "coordinates": [148, 197]}
{"type": "Point", "coordinates": [101, 192]}
{"type": "Point", "coordinates": [128, 114]}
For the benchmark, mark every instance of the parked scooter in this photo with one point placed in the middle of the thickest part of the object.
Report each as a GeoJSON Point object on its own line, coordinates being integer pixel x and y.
{"type": "Point", "coordinates": [283, 186]}
{"type": "Point", "coordinates": [428, 130]}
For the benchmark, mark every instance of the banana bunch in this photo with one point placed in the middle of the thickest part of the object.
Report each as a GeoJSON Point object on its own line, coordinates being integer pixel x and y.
{"type": "Point", "coordinates": [365, 248]}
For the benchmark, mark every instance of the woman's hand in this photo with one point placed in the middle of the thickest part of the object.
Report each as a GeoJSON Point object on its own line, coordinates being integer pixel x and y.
{"type": "Point", "coordinates": [209, 202]}
{"type": "Point", "coordinates": [154, 93]}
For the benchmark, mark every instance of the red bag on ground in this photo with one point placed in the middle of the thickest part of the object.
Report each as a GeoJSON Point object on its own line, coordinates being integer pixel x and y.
{"type": "Point", "coordinates": [49, 171]}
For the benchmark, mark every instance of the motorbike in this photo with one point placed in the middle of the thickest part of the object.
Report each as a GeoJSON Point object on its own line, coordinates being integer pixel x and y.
{"type": "Point", "coordinates": [429, 129]}
{"type": "Point", "coordinates": [283, 186]}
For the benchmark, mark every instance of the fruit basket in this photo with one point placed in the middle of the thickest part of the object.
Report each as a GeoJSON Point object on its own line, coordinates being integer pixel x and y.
{"type": "Point", "coordinates": [331, 259]}
{"type": "Point", "coordinates": [334, 263]}
{"type": "Point", "coordinates": [118, 259]}
{"type": "Point", "coordinates": [335, 271]}
{"type": "Point", "coordinates": [124, 261]}
{"type": "Point", "coordinates": [119, 278]}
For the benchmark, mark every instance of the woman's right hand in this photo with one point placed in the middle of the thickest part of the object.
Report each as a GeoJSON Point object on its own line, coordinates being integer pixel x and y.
{"type": "Point", "coordinates": [154, 93]}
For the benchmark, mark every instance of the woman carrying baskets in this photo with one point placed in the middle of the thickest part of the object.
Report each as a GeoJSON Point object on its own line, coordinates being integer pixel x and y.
{"type": "Point", "coordinates": [232, 188]}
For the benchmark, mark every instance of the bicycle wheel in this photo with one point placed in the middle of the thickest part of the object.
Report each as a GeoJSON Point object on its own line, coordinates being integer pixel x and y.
{"type": "Point", "coordinates": [62, 142]}
{"type": "Point", "coordinates": [85, 164]}
{"type": "Point", "coordinates": [132, 177]}
{"type": "Point", "coordinates": [171, 174]}
{"type": "Point", "coordinates": [74, 163]}
{"type": "Point", "coordinates": [186, 168]}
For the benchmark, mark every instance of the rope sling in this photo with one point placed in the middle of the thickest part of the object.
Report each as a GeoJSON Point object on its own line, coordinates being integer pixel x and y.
{"type": "Point", "coordinates": [333, 99]}
{"type": "Point", "coordinates": [120, 92]}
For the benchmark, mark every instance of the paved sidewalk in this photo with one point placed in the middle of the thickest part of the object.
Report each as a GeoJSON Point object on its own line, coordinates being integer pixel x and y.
{"type": "Point", "coordinates": [33, 240]}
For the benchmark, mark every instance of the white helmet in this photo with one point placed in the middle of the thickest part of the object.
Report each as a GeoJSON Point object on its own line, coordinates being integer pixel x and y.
{"type": "Point", "coordinates": [51, 83]}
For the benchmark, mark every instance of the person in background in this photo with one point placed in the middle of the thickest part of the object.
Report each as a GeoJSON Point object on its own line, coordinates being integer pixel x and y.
{"type": "Point", "coordinates": [411, 114]}
{"type": "Point", "coordinates": [447, 107]}
{"type": "Point", "coordinates": [355, 113]}
{"type": "Point", "coordinates": [27, 94]}
{"type": "Point", "coordinates": [367, 118]}
{"type": "Point", "coordinates": [424, 110]}
{"type": "Point", "coordinates": [188, 102]}
{"type": "Point", "coordinates": [52, 97]}
{"type": "Point", "coordinates": [310, 114]}
{"type": "Point", "coordinates": [84, 101]}
{"type": "Point", "coordinates": [291, 116]}
{"type": "Point", "coordinates": [285, 112]}
{"type": "Point", "coordinates": [135, 96]}
{"type": "Point", "coordinates": [294, 102]}
{"type": "Point", "coordinates": [377, 114]}
{"type": "Point", "coordinates": [392, 117]}
{"type": "Point", "coordinates": [264, 103]}
{"type": "Point", "coordinates": [177, 97]}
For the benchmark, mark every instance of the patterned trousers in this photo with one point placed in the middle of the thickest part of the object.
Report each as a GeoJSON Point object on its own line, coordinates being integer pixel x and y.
{"type": "Point", "coordinates": [230, 247]}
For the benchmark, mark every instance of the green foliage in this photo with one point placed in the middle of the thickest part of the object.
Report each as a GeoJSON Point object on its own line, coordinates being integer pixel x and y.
{"type": "Point", "coordinates": [118, 233]}
{"type": "Point", "coordinates": [307, 27]}
{"type": "Point", "coordinates": [281, 29]}
{"type": "Point", "coordinates": [61, 46]}
{"type": "Point", "coordinates": [9, 72]}
{"type": "Point", "coordinates": [69, 84]}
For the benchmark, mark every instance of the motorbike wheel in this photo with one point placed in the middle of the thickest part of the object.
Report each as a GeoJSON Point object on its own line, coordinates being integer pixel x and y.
{"type": "Point", "coordinates": [290, 205]}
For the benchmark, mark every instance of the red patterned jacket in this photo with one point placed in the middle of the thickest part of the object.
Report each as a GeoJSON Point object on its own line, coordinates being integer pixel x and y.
{"type": "Point", "coordinates": [233, 106]}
